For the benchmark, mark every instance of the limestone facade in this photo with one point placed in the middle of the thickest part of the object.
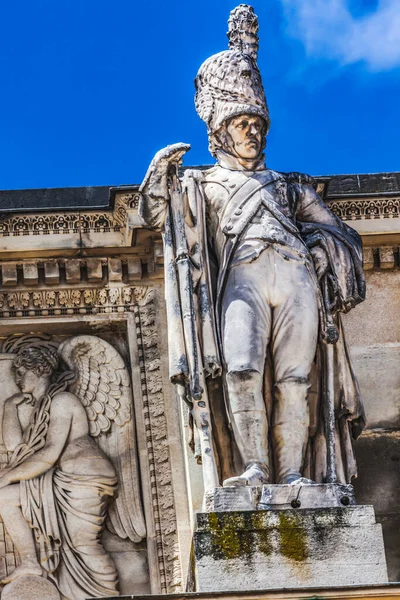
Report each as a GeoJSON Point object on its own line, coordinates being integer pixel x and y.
{"type": "Point", "coordinates": [77, 269]}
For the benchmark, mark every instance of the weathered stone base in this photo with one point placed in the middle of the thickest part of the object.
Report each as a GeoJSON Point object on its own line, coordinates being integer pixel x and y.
{"type": "Point", "coordinates": [272, 496]}
{"type": "Point", "coordinates": [316, 495]}
{"type": "Point", "coordinates": [277, 549]}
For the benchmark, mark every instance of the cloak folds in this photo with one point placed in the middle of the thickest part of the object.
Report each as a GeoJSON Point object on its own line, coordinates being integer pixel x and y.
{"type": "Point", "coordinates": [67, 513]}
{"type": "Point", "coordinates": [344, 288]}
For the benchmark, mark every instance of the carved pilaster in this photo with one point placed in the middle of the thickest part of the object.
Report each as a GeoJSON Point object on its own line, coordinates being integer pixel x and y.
{"type": "Point", "coordinates": [157, 442]}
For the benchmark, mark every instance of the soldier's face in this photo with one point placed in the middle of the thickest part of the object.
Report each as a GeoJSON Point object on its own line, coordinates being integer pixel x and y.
{"type": "Point", "coordinates": [247, 133]}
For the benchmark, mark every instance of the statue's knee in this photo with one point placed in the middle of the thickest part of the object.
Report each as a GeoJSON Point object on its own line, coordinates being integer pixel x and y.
{"type": "Point", "coordinates": [242, 377]}
{"type": "Point", "coordinates": [295, 388]}
{"type": "Point", "coordinates": [245, 390]}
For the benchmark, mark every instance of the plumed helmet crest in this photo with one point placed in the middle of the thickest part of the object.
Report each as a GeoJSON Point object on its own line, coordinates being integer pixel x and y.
{"type": "Point", "coordinates": [242, 30]}
{"type": "Point", "coordinates": [229, 83]}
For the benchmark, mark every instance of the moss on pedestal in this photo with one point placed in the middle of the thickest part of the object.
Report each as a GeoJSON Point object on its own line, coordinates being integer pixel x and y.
{"type": "Point", "coordinates": [228, 540]}
{"type": "Point", "coordinates": [292, 537]}
{"type": "Point", "coordinates": [241, 535]}
{"type": "Point", "coordinates": [238, 535]}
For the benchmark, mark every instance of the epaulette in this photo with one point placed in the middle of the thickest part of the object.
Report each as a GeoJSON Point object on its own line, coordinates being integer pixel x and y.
{"type": "Point", "coordinates": [300, 178]}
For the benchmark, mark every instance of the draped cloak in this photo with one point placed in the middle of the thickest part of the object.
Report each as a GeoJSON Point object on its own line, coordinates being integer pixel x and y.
{"type": "Point", "coordinates": [345, 288]}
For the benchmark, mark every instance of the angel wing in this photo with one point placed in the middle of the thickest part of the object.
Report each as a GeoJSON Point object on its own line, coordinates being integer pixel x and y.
{"type": "Point", "coordinates": [103, 386]}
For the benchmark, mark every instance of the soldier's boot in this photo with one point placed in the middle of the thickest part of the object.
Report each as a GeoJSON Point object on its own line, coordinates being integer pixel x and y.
{"type": "Point", "coordinates": [290, 430]}
{"type": "Point", "coordinates": [250, 427]}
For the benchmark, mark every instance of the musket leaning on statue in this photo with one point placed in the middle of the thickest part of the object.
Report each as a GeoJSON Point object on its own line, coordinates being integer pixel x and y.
{"type": "Point", "coordinates": [257, 271]}
{"type": "Point", "coordinates": [181, 310]}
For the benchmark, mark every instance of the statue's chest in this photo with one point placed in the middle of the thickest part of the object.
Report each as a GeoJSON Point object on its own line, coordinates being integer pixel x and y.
{"type": "Point", "coordinates": [221, 195]}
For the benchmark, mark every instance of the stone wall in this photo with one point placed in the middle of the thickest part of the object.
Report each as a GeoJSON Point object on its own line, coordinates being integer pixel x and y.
{"type": "Point", "coordinates": [373, 332]}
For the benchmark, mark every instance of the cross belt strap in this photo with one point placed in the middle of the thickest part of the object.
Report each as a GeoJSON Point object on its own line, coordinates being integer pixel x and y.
{"type": "Point", "coordinates": [242, 195]}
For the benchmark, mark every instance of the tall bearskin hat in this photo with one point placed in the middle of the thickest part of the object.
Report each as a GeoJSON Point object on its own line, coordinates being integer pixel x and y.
{"type": "Point", "coordinates": [229, 84]}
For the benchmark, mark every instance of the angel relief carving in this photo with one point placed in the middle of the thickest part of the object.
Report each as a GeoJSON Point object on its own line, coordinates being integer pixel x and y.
{"type": "Point", "coordinates": [72, 467]}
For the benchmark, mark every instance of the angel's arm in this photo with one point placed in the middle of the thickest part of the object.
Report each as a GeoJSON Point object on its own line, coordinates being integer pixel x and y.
{"type": "Point", "coordinates": [11, 426]}
{"type": "Point", "coordinates": [56, 438]}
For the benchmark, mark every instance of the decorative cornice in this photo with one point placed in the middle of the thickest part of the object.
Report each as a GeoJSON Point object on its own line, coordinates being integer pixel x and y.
{"type": "Point", "coordinates": [62, 223]}
{"type": "Point", "coordinates": [125, 206]}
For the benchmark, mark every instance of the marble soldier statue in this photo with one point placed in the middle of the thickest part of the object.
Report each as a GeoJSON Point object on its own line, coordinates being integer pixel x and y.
{"type": "Point", "coordinates": [65, 433]}
{"type": "Point", "coordinates": [257, 271]}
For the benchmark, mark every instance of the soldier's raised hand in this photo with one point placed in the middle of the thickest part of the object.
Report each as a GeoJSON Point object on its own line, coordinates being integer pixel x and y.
{"type": "Point", "coordinates": [159, 166]}
{"type": "Point", "coordinates": [170, 154]}
{"type": "Point", "coordinates": [155, 189]}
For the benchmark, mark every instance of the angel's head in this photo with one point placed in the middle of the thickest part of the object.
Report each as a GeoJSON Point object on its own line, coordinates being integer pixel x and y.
{"type": "Point", "coordinates": [33, 367]}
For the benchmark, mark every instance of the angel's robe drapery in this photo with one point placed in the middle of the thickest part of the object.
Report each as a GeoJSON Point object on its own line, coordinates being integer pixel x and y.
{"type": "Point", "coordinates": [66, 508]}
{"type": "Point", "coordinates": [343, 248]}
{"type": "Point", "coordinates": [63, 508]}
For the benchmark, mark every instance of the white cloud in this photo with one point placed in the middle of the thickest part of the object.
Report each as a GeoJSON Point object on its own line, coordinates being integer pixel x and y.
{"type": "Point", "coordinates": [329, 30]}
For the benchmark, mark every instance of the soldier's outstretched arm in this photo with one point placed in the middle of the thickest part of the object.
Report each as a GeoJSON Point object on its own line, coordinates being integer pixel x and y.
{"type": "Point", "coordinates": [153, 203]}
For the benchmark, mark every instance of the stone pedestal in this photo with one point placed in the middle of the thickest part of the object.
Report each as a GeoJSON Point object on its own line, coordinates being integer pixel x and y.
{"type": "Point", "coordinates": [272, 496]}
{"type": "Point", "coordinates": [290, 548]}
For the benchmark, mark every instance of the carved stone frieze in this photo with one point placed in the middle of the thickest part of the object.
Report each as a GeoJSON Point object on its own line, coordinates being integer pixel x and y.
{"type": "Point", "coordinates": [18, 225]}
{"type": "Point", "coordinates": [366, 208]}
{"type": "Point", "coordinates": [116, 220]}
{"type": "Point", "coordinates": [66, 302]}
{"type": "Point", "coordinates": [123, 203]}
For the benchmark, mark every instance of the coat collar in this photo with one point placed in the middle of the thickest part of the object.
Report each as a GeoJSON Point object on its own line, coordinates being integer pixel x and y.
{"type": "Point", "coordinates": [227, 161]}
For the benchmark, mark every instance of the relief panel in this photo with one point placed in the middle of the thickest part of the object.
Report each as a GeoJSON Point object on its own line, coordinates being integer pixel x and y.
{"type": "Point", "coordinates": [71, 487]}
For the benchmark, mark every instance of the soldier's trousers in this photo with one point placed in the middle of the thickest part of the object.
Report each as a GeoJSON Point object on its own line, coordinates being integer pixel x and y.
{"type": "Point", "coordinates": [270, 303]}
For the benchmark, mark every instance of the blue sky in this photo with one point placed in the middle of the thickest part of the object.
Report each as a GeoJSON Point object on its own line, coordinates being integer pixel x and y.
{"type": "Point", "coordinates": [91, 89]}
